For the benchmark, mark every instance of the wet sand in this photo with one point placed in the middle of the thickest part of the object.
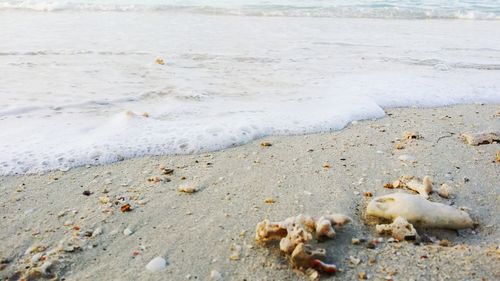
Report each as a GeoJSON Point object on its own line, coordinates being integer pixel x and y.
{"type": "Point", "coordinates": [311, 174]}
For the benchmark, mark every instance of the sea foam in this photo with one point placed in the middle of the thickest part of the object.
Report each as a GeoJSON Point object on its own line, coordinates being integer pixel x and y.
{"type": "Point", "coordinates": [74, 88]}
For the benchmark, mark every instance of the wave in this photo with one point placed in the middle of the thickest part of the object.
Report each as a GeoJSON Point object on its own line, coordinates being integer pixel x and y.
{"type": "Point", "coordinates": [387, 11]}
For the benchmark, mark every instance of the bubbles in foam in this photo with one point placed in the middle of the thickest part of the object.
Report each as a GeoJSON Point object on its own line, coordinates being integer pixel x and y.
{"type": "Point", "coordinates": [282, 76]}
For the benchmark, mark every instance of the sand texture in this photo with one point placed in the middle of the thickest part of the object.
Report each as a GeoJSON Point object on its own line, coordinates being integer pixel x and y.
{"type": "Point", "coordinates": [109, 222]}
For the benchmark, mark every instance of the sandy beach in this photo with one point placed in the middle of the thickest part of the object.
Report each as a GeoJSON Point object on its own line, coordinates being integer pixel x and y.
{"type": "Point", "coordinates": [80, 221]}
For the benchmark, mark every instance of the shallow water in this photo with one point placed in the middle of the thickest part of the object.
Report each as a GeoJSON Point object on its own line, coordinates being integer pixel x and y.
{"type": "Point", "coordinates": [70, 72]}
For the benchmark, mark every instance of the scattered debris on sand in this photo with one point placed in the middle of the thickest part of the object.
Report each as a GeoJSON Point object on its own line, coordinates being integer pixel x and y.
{"type": "Point", "coordinates": [476, 139]}
{"type": "Point", "coordinates": [294, 234]}
{"type": "Point", "coordinates": [418, 211]}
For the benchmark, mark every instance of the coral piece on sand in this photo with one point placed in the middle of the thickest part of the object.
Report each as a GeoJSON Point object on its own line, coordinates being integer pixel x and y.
{"type": "Point", "coordinates": [418, 211]}
{"type": "Point", "coordinates": [423, 187]}
{"type": "Point", "coordinates": [400, 229]}
{"type": "Point", "coordinates": [324, 225]}
{"type": "Point", "coordinates": [303, 255]}
{"type": "Point", "coordinates": [187, 189]}
{"type": "Point", "coordinates": [294, 234]}
{"type": "Point", "coordinates": [445, 191]}
{"type": "Point", "coordinates": [480, 138]}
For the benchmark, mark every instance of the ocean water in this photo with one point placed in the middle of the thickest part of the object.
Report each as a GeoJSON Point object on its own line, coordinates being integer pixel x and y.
{"type": "Point", "coordinates": [76, 77]}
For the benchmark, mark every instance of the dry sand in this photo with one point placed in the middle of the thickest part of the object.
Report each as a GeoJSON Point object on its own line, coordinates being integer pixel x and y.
{"type": "Point", "coordinates": [195, 232]}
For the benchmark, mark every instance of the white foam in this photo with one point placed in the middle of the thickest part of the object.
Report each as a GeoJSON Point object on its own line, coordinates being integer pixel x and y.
{"type": "Point", "coordinates": [67, 82]}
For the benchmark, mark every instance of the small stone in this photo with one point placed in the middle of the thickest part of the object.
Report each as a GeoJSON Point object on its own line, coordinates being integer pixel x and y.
{"type": "Point", "coordinates": [35, 258]}
{"type": "Point", "coordinates": [362, 275]}
{"type": "Point", "coordinates": [125, 208]}
{"type": "Point", "coordinates": [355, 241]}
{"type": "Point", "coordinates": [354, 260]}
{"type": "Point", "coordinates": [445, 191]}
{"type": "Point", "coordinates": [389, 185]}
{"type": "Point", "coordinates": [156, 264]}
{"type": "Point", "coordinates": [154, 179]}
{"type": "Point", "coordinates": [235, 252]}
{"type": "Point", "coordinates": [407, 158]}
{"type": "Point", "coordinates": [444, 243]}
{"type": "Point", "coordinates": [166, 171]}
{"type": "Point", "coordinates": [87, 193]}
{"type": "Point", "coordinates": [187, 189]}
{"type": "Point", "coordinates": [368, 194]}
{"type": "Point", "coordinates": [160, 61]}
{"type": "Point", "coordinates": [270, 201]}
{"type": "Point", "coordinates": [371, 245]}
{"type": "Point", "coordinates": [127, 231]}
{"type": "Point", "coordinates": [104, 199]}
{"type": "Point", "coordinates": [265, 143]}
{"type": "Point", "coordinates": [215, 275]}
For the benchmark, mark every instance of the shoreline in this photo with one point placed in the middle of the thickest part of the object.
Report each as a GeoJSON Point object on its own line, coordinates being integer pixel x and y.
{"type": "Point", "coordinates": [201, 153]}
{"type": "Point", "coordinates": [313, 174]}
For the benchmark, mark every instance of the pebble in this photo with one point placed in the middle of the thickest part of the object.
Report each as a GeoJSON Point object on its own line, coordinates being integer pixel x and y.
{"type": "Point", "coordinates": [96, 232]}
{"type": "Point", "coordinates": [265, 143]}
{"type": "Point", "coordinates": [127, 231]}
{"type": "Point", "coordinates": [235, 252]}
{"type": "Point", "coordinates": [36, 257]}
{"type": "Point", "coordinates": [270, 201]}
{"type": "Point", "coordinates": [215, 275]}
{"type": "Point", "coordinates": [354, 260]}
{"type": "Point", "coordinates": [445, 191]}
{"type": "Point", "coordinates": [125, 208]}
{"type": "Point", "coordinates": [407, 158]}
{"type": "Point", "coordinates": [362, 275]}
{"type": "Point", "coordinates": [156, 264]}
{"type": "Point", "coordinates": [187, 189]}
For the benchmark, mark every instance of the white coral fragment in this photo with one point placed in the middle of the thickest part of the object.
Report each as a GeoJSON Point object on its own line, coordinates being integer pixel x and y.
{"type": "Point", "coordinates": [418, 211]}
{"type": "Point", "coordinates": [400, 229]}
{"type": "Point", "coordinates": [423, 188]}
{"type": "Point", "coordinates": [476, 139]}
{"type": "Point", "coordinates": [445, 191]}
